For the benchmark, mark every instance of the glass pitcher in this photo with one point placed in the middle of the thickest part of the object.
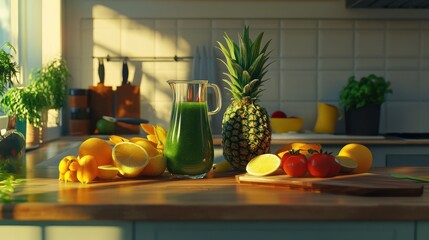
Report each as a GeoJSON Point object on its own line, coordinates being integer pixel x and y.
{"type": "Point", "coordinates": [189, 146]}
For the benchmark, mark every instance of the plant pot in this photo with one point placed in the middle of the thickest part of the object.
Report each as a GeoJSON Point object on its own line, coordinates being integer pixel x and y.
{"type": "Point", "coordinates": [32, 136]}
{"type": "Point", "coordinates": [363, 121]}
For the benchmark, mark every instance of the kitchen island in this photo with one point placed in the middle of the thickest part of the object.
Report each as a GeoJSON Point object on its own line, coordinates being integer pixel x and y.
{"type": "Point", "coordinates": [213, 208]}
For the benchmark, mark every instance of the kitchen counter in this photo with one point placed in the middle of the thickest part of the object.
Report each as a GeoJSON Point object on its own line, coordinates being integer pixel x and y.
{"type": "Point", "coordinates": [219, 197]}
{"type": "Point", "coordinates": [217, 206]}
{"type": "Point", "coordinates": [334, 139]}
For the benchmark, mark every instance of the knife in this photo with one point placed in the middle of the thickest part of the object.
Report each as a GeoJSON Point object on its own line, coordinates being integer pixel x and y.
{"type": "Point", "coordinates": [101, 70]}
{"type": "Point", "coordinates": [124, 72]}
{"type": "Point", "coordinates": [129, 120]}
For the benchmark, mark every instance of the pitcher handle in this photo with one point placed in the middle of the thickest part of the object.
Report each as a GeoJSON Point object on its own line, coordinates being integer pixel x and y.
{"type": "Point", "coordinates": [218, 98]}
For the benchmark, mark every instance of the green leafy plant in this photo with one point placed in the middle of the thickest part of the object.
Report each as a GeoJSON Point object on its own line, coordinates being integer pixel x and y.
{"type": "Point", "coordinates": [8, 68]}
{"type": "Point", "coordinates": [25, 103]}
{"type": "Point", "coordinates": [368, 90]}
{"type": "Point", "coordinates": [52, 81]}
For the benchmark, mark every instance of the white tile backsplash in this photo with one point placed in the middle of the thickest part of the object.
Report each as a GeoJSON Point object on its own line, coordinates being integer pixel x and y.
{"type": "Point", "coordinates": [313, 58]}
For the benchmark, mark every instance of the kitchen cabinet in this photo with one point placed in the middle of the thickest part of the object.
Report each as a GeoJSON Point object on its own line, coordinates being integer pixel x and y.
{"type": "Point", "coordinates": [106, 230]}
{"type": "Point", "coordinates": [274, 230]}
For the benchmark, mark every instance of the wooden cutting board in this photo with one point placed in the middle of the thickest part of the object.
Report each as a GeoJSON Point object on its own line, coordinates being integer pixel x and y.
{"type": "Point", "coordinates": [365, 184]}
{"type": "Point", "coordinates": [100, 101]}
{"type": "Point", "coordinates": [127, 105]}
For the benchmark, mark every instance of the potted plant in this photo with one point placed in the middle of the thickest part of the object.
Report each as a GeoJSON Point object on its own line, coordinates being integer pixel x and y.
{"type": "Point", "coordinates": [361, 101]}
{"type": "Point", "coordinates": [12, 142]}
{"type": "Point", "coordinates": [52, 81]}
{"type": "Point", "coordinates": [8, 75]}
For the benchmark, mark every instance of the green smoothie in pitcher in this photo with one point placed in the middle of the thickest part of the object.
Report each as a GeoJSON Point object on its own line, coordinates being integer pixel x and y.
{"type": "Point", "coordinates": [189, 145]}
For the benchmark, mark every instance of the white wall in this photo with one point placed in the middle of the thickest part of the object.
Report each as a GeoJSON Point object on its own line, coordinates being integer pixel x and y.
{"type": "Point", "coordinates": [316, 46]}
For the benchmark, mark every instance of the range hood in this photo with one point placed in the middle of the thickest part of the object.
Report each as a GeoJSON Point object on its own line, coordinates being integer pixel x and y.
{"type": "Point", "coordinates": [403, 4]}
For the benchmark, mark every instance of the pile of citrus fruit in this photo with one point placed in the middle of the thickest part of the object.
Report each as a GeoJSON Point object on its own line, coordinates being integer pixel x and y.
{"type": "Point", "coordinates": [119, 156]}
{"type": "Point", "coordinates": [309, 160]}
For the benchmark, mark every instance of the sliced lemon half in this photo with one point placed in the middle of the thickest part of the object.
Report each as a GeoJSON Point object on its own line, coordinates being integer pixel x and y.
{"type": "Point", "coordinates": [129, 158]}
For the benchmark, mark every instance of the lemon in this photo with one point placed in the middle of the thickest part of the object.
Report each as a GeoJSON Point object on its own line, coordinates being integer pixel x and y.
{"type": "Point", "coordinates": [107, 172]}
{"type": "Point", "coordinates": [360, 153]}
{"type": "Point", "coordinates": [347, 164]}
{"type": "Point", "coordinates": [129, 158]}
{"type": "Point", "coordinates": [263, 165]}
{"type": "Point", "coordinates": [148, 146]}
{"type": "Point", "coordinates": [223, 166]}
{"type": "Point", "coordinates": [156, 166]}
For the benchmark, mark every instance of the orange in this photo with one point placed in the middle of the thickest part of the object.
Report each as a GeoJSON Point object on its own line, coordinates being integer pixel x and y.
{"type": "Point", "coordinates": [303, 147]}
{"type": "Point", "coordinates": [98, 148]}
{"type": "Point", "coordinates": [156, 166]}
{"type": "Point", "coordinates": [88, 169]}
{"type": "Point", "coordinates": [359, 153]}
{"type": "Point", "coordinates": [148, 146]}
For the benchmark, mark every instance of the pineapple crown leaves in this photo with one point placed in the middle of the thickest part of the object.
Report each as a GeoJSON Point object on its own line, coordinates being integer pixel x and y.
{"type": "Point", "coordinates": [246, 63]}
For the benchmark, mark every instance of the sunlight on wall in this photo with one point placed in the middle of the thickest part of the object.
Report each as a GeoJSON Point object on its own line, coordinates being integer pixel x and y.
{"type": "Point", "coordinates": [4, 21]}
{"type": "Point", "coordinates": [120, 36]}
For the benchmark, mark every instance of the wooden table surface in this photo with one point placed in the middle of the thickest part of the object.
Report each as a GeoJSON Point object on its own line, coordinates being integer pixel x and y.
{"type": "Point", "coordinates": [219, 197]}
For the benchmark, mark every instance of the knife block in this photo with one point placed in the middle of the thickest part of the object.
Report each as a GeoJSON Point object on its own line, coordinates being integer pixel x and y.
{"type": "Point", "coordinates": [101, 104]}
{"type": "Point", "coordinates": [127, 105]}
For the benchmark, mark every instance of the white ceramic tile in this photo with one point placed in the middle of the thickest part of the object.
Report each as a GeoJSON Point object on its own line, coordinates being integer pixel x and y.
{"type": "Point", "coordinates": [165, 24]}
{"type": "Point", "coordinates": [269, 34]}
{"type": "Point", "coordinates": [405, 85]}
{"type": "Point", "coordinates": [299, 24]}
{"type": "Point", "coordinates": [298, 63]}
{"type": "Point", "coordinates": [138, 39]}
{"type": "Point", "coordinates": [402, 63]}
{"type": "Point", "coordinates": [298, 43]}
{"type": "Point", "coordinates": [369, 43]}
{"type": "Point", "coordinates": [336, 63]}
{"type": "Point", "coordinates": [369, 63]}
{"type": "Point", "coordinates": [370, 24]}
{"type": "Point", "coordinates": [424, 43]}
{"type": "Point", "coordinates": [424, 63]}
{"type": "Point", "coordinates": [335, 43]}
{"type": "Point", "coordinates": [402, 43]}
{"type": "Point", "coordinates": [361, 73]}
{"type": "Point", "coordinates": [424, 24]}
{"type": "Point", "coordinates": [302, 109]}
{"type": "Point", "coordinates": [194, 24]}
{"type": "Point", "coordinates": [336, 24]}
{"type": "Point", "coordinates": [403, 24]}
{"type": "Point", "coordinates": [403, 117]}
{"type": "Point", "coordinates": [424, 86]}
{"type": "Point", "coordinates": [147, 80]}
{"type": "Point", "coordinates": [271, 86]}
{"type": "Point", "coordinates": [189, 39]}
{"type": "Point", "coordinates": [424, 116]}
{"type": "Point", "coordinates": [298, 86]}
{"type": "Point", "coordinates": [227, 24]}
{"type": "Point", "coordinates": [165, 43]}
{"type": "Point", "coordinates": [330, 84]}
{"type": "Point", "coordinates": [263, 23]}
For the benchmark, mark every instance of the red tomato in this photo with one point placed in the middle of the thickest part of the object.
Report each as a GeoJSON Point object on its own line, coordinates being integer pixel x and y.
{"type": "Point", "coordinates": [295, 165]}
{"type": "Point", "coordinates": [323, 165]}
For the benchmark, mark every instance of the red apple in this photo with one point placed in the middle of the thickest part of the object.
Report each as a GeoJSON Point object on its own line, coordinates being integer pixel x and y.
{"type": "Point", "coordinates": [278, 114]}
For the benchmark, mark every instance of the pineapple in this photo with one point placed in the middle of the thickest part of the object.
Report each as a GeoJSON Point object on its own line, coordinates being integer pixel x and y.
{"type": "Point", "coordinates": [246, 128]}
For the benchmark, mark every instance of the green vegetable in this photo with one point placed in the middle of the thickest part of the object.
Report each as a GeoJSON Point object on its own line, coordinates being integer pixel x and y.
{"type": "Point", "coordinates": [368, 90]}
{"type": "Point", "coordinates": [8, 184]}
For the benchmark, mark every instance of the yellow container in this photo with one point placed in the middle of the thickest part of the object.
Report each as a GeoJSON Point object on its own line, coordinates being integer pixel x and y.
{"type": "Point", "coordinates": [284, 125]}
{"type": "Point", "coordinates": [327, 117]}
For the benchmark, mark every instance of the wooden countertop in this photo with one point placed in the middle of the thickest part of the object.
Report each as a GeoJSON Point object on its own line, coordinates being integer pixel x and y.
{"type": "Point", "coordinates": [329, 139]}
{"type": "Point", "coordinates": [43, 197]}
